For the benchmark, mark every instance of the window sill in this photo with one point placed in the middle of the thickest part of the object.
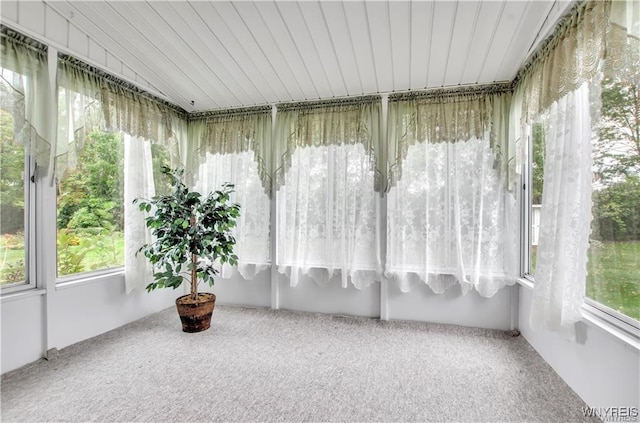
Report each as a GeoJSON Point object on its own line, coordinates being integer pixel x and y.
{"type": "Point", "coordinates": [75, 281]}
{"type": "Point", "coordinates": [20, 295]}
{"type": "Point", "coordinates": [592, 316]}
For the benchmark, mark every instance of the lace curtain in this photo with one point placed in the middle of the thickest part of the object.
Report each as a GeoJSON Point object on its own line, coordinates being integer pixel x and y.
{"type": "Point", "coordinates": [567, 60]}
{"type": "Point", "coordinates": [561, 88]}
{"type": "Point", "coordinates": [565, 214]}
{"type": "Point", "coordinates": [231, 149]}
{"type": "Point", "coordinates": [622, 55]}
{"type": "Point", "coordinates": [80, 112]}
{"type": "Point", "coordinates": [26, 93]}
{"type": "Point", "coordinates": [326, 202]}
{"type": "Point", "coordinates": [354, 121]}
{"type": "Point", "coordinates": [450, 116]}
{"type": "Point", "coordinates": [90, 99]}
{"type": "Point", "coordinates": [451, 218]}
{"type": "Point", "coordinates": [228, 133]}
{"type": "Point", "coordinates": [139, 183]}
{"type": "Point", "coordinates": [154, 134]}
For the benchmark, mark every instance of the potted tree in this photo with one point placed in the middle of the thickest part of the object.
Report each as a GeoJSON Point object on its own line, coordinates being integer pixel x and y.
{"type": "Point", "coordinates": [191, 233]}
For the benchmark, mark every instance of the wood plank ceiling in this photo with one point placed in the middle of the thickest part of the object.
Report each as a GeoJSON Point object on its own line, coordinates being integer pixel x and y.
{"type": "Point", "coordinates": [207, 55]}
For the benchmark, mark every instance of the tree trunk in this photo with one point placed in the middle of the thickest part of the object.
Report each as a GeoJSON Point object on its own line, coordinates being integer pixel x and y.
{"type": "Point", "coordinates": [194, 268]}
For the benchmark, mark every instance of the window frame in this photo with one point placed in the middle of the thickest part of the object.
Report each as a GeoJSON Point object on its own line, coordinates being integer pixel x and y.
{"type": "Point", "coordinates": [28, 176]}
{"type": "Point", "coordinates": [525, 215]}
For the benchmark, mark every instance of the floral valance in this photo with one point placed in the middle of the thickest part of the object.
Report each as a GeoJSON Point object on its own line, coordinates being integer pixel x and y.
{"type": "Point", "coordinates": [569, 58]}
{"type": "Point", "coordinates": [598, 38]}
{"type": "Point", "coordinates": [622, 50]}
{"type": "Point", "coordinates": [125, 107]}
{"type": "Point", "coordinates": [233, 131]}
{"type": "Point", "coordinates": [447, 116]}
{"type": "Point", "coordinates": [337, 122]}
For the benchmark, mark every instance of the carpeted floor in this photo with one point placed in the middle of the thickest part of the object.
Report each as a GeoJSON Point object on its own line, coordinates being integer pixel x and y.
{"type": "Point", "coordinates": [263, 365]}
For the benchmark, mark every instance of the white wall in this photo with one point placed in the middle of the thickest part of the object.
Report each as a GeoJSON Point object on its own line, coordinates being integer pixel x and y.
{"type": "Point", "coordinates": [237, 291]}
{"type": "Point", "coordinates": [81, 311]}
{"type": "Point", "coordinates": [452, 307]}
{"type": "Point", "coordinates": [22, 330]}
{"type": "Point", "coordinates": [602, 369]}
{"type": "Point", "coordinates": [34, 322]}
{"type": "Point", "coordinates": [330, 299]}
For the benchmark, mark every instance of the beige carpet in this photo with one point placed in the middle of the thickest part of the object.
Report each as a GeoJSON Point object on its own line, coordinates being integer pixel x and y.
{"type": "Point", "coordinates": [262, 365]}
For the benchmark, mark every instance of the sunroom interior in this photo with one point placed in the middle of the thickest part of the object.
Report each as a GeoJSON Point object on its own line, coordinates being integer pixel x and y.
{"type": "Point", "coordinates": [469, 163]}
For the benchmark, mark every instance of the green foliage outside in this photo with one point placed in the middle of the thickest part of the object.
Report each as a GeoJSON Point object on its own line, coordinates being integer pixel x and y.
{"type": "Point", "coordinates": [90, 195]}
{"type": "Point", "coordinates": [537, 163]}
{"type": "Point", "coordinates": [12, 162]}
{"type": "Point", "coordinates": [617, 164]}
{"type": "Point", "coordinates": [90, 207]}
{"type": "Point", "coordinates": [614, 254]}
{"type": "Point", "coordinates": [613, 276]}
{"type": "Point", "coordinates": [77, 252]}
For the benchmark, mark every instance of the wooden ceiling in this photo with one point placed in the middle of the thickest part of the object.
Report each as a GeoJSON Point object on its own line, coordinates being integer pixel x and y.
{"type": "Point", "coordinates": [207, 55]}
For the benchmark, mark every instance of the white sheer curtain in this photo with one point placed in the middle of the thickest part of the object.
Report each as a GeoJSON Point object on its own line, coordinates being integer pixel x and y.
{"type": "Point", "coordinates": [565, 214]}
{"type": "Point", "coordinates": [26, 93]}
{"type": "Point", "coordinates": [451, 217]}
{"type": "Point", "coordinates": [139, 183]}
{"type": "Point", "coordinates": [252, 227]}
{"type": "Point", "coordinates": [448, 220]}
{"type": "Point", "coordinates": [327, 216]}
{"type": "Point", "coordinates": [327, 205]}
{"type": "Point", "coordinates": [155, 134]}
{"type": "Point", "coordinates": [561, 88]}
{"type": "Point", "coordinates": [80, 112]}
{"type": "Point", "coordinates": [235, 147]}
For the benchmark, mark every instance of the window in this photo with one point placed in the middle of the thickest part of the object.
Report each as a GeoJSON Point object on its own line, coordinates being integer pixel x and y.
{"type": "Point", "coordinates": [448, 222]}
{"type": "Point", "coordinates": [14, 192]}
{"type": "Point", "coordinates": [90, 207]}
{"type": "Point", "coordinates": [450, 213]}
{"type": "Point", "coordinates": [326, 201]}
{"type": "Point", "coordinates": [89, 189]}
{"type": "Point", "coordinates": [327, 215]}
{"type": "Point", "coordinates": [251, 232]}
{"type": "Point", "coordinates": [235, 148]}
{"type": "Point", "coordinates": [613, 269]}
{"type": "Point", "coordinates": [536, 179]}
{"type": "Point", "coordinates": [614, 253]}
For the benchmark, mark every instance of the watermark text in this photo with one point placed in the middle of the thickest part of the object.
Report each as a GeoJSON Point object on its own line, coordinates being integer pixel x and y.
{"type": "Point", "coordinates": [612, 414]}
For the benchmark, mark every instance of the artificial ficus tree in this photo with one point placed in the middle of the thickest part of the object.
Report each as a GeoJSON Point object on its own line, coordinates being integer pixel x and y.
{"type": "Point", "coordinates": [191, 233]}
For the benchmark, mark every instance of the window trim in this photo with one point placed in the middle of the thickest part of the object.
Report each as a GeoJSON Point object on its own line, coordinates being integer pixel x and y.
{"type": "Point", "coordinates": [90, 274]}
{"type": "Point", "coordinates": [608, 323]}
{"type": "Point", "coordinates": [86, 278]}
{"type": "Point", "coordinates": [525, 215]}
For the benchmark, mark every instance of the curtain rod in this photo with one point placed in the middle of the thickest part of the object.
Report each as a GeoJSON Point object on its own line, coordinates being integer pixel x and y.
{"type": "Point", "coordinates": [239, 111]}
{"type": "Point", "coordinates": [23, 40]}
{"type": "Point", "coordinates": [343, 101]}
{"type": "Point", "coordinates": [448, 92]}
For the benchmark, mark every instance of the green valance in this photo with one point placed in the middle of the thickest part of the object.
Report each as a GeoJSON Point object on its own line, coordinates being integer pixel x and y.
{"type": "Point", "coordinates": [448, 115]}
{"type": "Point", "coordinates": [233, 131]}
{"type": "Point", "coordinates": [335, 122]}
